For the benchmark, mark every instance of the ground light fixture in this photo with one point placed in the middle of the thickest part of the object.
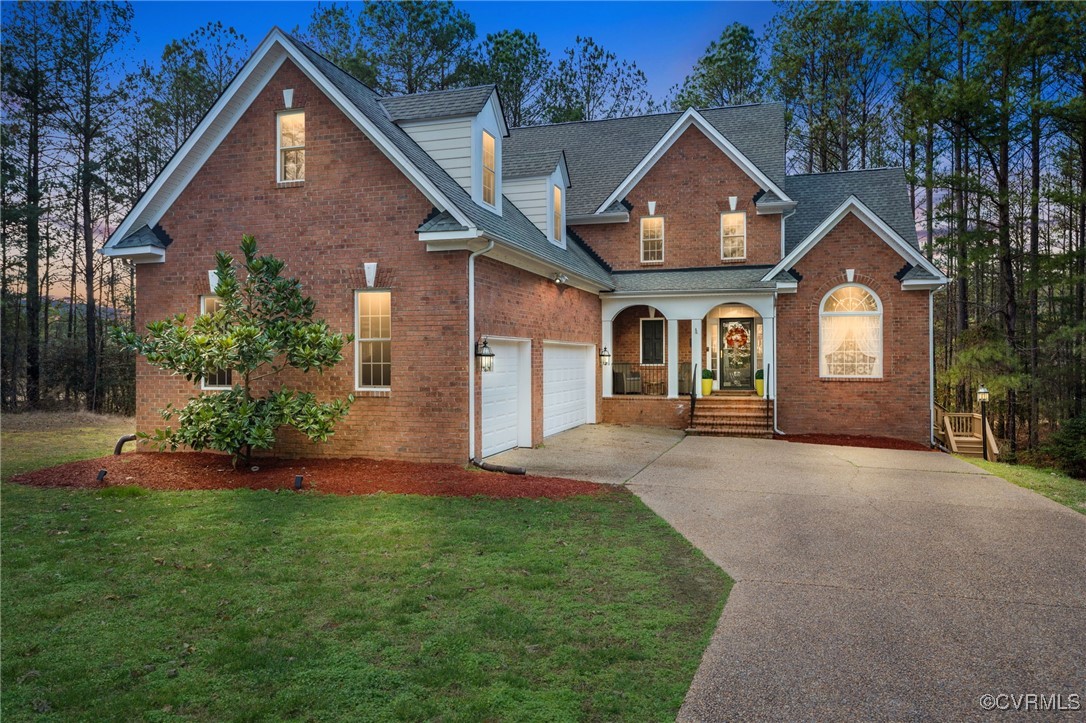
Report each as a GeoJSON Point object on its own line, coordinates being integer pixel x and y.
{"type": "Point", "coordinates": [982, 397]}
{"type": "Point", "coordinates": [484, 355]}
{"type": "Point", "coordinates": [297, 481]}
{"type": "Point", "coordinates": [605, 357]}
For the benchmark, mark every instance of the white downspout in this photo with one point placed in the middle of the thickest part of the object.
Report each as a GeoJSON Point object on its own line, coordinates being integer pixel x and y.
{"type": "Point", "coordinates": [471, 347]}
{"type": "Point", "coordinates": [776, 312]}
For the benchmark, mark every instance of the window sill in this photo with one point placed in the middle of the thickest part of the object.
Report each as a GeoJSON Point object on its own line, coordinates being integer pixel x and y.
{"type": "Point", "coordinates": [870, 380]}
{"type": "Point", "coordinates": [373, 392]}
{"type": "Point", "coordinates": [738, 259]}
{"type": "Point", "coordinates": [290, 184]}
{"type": "Point", "coordinates": [652, 263]}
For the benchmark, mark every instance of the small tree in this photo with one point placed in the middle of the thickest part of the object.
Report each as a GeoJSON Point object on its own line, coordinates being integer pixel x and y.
{"type": "Point", "coordinates": [262, 326]}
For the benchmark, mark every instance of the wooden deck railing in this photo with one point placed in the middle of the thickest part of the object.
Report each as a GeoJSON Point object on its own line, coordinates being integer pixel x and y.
{"type": "Point", "coordinates": [961, 433]}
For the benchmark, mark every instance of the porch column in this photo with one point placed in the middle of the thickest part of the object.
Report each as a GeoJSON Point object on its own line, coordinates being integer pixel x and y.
{"type": "Point", "coordinates": [608, 342]}
{"type": "Point", "coordinates": [696, 355]}
{"type": "Point", "coordinates": [672, 358]}
{"type": "Point", "coordinates": [769, 358]}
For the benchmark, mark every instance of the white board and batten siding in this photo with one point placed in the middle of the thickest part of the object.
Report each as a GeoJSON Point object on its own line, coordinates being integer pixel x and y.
{"type": "Point", "coordinates": [447, 141]}
{"type": "Point", "coordinates": [569, 386]}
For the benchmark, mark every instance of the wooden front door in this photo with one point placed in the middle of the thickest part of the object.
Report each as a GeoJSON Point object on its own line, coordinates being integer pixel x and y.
{"type": "Point", "coordinates": [736, 354]}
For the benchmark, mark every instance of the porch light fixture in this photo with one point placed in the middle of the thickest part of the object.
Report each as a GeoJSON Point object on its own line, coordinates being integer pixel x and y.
{"type": "Point", "coordinates": [560, 279]}
{"type": "Point", "coordinates": [605, 357]}
{"type": "Point", "coordinates": [982, 394]}
{"type": "Point", "coordinates": [485, 356]}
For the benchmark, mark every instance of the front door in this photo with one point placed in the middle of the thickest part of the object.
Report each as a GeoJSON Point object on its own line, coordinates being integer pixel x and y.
{"type": "Point", "coordinates": [736, 358]}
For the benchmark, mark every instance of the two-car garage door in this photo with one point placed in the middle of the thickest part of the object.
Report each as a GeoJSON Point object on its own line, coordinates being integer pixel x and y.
{"type": "Point", "coordinates": [568, 393]}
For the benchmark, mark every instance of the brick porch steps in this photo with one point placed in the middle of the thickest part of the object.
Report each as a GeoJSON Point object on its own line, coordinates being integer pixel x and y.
{"type": "Point", "coordinates": [728, 415]}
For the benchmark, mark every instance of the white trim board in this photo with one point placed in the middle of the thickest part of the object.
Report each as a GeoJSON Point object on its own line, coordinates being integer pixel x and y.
{"type": "Point", "coordinates": [871, 220]}
{"type": "Point", "coordinates": [231, 105]}
{"type": "Point", "coordinates": [692, 118]}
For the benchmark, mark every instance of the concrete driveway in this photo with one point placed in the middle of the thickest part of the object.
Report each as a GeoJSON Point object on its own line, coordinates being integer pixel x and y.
{"type": "Point", "coordinates": [871, 584]}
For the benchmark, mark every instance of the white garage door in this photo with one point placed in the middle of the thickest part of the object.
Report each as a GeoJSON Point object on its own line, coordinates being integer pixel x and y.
{"type": "Point", "coordinates": [565, 387]}
{"type": "Point", "coordinates": [501, 399]}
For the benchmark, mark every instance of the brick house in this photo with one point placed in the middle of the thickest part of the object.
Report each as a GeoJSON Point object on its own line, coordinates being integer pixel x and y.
{"type": "Point", "coordinates": [604, 264]}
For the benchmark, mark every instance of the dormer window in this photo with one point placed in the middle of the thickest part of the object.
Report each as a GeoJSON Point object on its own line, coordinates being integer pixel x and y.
{"type": "Point", "coordinates": [291, 146]}
{"type": "Point", "coordinates": [489, 165]}
{"type": "Point", "coordinates": [556, 221]}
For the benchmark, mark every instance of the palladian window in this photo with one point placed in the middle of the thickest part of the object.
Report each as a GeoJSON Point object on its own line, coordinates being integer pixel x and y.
{"type": "Point", "coordinates": [850, 334]}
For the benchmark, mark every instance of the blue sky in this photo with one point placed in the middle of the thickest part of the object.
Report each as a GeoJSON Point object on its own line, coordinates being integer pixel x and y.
{"type": "Point", "coordinates": [664, 38]}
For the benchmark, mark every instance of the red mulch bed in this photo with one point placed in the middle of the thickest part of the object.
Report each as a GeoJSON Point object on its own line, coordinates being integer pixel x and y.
{"type": "Point", "coordinates": [847, 440]}
{"type": "Point", "coordinates": [203, 471]}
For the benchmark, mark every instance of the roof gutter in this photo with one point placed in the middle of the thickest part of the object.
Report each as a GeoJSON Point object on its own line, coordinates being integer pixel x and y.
{"type": "Point", "coordinates": [591, 219]}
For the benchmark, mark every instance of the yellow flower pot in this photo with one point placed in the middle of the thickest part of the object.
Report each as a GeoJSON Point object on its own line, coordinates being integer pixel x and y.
{"type": "Point", "coordinates": [706, 387]}
{"type": "Point", "coordinates": [759, 387]}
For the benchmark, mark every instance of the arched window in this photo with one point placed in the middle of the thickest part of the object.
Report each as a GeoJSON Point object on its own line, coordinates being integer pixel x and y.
{"type": "Point", "coordinates": [850, 333]}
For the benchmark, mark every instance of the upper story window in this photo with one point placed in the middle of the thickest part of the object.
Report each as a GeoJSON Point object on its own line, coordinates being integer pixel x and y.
{"type": "Point", "coordinates": [223, 378]}
{"type": "Point", "coordinates": [557, 227]}
{"type": "Point", "coordinates": [373, 339]}
{"type": "Point", "coordinates": [733, 236]}
{"type": "Point", "coordinates": [291, 142]}
{"type": "Point", "coordinates": [489, 172]}
{"type": "Point", "coordinates": [850, 333]}
{"type": "Point", "coordinates": [652, 240]}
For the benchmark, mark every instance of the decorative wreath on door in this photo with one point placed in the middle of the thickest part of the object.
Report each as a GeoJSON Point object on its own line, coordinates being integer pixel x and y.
{"type": "Point", "coordinates": [736, 336]}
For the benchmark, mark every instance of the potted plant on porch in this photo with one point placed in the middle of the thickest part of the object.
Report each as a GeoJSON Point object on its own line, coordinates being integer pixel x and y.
{"type": "Point", "coordinates": [759, 383]}
{"type": "Point", "coordinates": [707, 377]}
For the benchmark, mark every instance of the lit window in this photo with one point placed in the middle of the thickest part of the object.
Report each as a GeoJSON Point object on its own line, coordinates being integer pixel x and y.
{"type": "Point", "coordinates": [556, 221]}
{"type": "Point", "coordinates": [488, 168]}
{"type": "Point", "coordinates": [652, 240]}
{"type": "Point", "coordinates": [373, 339]}
{"type": "Point", "coordinates": [652, 341]}
{"type": "Point", "coordinates": [850, 334]}
{"type": "Point", "coordinates": [733, 236]}
{"type": "Point", "coordinates": [291, 146]}
{"type": "Point", "coordinates": [223, 378]}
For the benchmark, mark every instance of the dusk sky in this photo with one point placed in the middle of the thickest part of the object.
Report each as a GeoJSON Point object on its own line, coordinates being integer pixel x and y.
{"type": "Point", "coordinates": [664, 38]}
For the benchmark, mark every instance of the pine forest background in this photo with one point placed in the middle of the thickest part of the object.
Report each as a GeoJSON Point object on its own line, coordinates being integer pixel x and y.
{"type": "Point", "coordinates": [983, 103]}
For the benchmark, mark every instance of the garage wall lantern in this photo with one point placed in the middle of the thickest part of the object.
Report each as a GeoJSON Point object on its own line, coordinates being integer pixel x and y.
{"type": "Point", "coordinates": [484, 355]}
{"type": "Point", "coordinates": [605, 357]}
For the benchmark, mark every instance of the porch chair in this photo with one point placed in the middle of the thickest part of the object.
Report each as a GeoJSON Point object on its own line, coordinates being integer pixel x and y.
{"type": "Point", "coordinates": [625, 379]}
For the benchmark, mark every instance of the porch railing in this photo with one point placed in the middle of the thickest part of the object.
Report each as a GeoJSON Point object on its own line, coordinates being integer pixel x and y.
{"type": "Point", "coordinates": [649, 380]}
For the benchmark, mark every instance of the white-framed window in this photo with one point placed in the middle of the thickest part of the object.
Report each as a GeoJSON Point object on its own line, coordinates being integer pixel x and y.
{"type": "Point", "coordinates": [290, 135]}
{"type": "Point", "coordinates": [652, 340]}
{"type": "Point", "coordinates": [557, 233]}
{"type": "Point", "coordinates": [373, 339]}
{"type": "Point", "coordinates": [733, 236]}
{"type": "Point", "coordinates": [224, 378]}
{"type": "Point", "coordinates": [489, 169]}
{"type": "Point", "coordinates": [850, 333]}
{"type": "Point", "coordinates": [652, 240]}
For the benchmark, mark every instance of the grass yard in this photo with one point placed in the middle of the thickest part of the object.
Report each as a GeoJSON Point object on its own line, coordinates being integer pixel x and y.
{"type": "Point", "coordinates": [247, 605]}
{"type": "Point", "coordinates": [1051, 483]}
{"type": "Point", "coordinates": [39, 439]}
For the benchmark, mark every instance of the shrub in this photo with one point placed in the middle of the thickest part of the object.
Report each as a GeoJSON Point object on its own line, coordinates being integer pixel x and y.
{"type": "Point", "coordinates": [1068, 446]}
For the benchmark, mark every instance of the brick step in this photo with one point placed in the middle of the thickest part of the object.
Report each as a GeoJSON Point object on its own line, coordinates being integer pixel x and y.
{"type": "Point", "coordinates": [702, 404]}
{"type": "Point", "coordinates": [725, 413]}
{"type": "Point", "coordinates": [729, 432]}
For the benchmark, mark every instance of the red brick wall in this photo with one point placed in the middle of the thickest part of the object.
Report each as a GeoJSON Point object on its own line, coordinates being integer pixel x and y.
{"type": "Point", "coordinates": [691, 184]}
{"type": "Point", "coordinates": [513, 302]}
{"type": "Point", "coordinates": [354, 207]}
{"type": "Point", "coordinates": [896, 405]}
{"type": "Point", "coordinates": [647, 411]}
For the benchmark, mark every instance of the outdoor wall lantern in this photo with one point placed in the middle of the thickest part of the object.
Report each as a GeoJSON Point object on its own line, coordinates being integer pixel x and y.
{"type": "Point", "coordinates": [485, 356]}
{"type": "Point", "coordinates": [982, 397]}
{"type": "Point", "coordinates": [560, 279]}
{"type": "Point", "coordinates": [605, 357]}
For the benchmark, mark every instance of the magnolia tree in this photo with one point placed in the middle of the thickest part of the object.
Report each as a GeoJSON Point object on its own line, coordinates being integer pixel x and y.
{"type": "Point", "coordinates": [261, 326]}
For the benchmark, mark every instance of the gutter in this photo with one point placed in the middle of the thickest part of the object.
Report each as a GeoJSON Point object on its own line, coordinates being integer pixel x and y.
{"type": "Point", "coordinates": [596, 218]}
{"type": "Point", "coordinates": [471, 347]}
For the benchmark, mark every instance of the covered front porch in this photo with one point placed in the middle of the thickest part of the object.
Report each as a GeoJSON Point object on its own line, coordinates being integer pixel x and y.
{"type": "Point", "coordinates": [661, 344]}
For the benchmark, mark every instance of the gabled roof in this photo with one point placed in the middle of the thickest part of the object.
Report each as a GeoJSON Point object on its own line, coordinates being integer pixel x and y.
{"type": "Point", "coordinates": [883, 190]}
{"type": "Point", "coordinates": [602, 154]}
{"type": "Point", "coordinates": [363, 106]}
{"type": "Point", "coordinates": [531, 165]}
{"type": "Point", "coordinates": [438, 104]}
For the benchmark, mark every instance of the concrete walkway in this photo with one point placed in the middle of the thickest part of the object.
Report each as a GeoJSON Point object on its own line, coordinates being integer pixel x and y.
{"type": "Point", "coordinates": [873, 584]}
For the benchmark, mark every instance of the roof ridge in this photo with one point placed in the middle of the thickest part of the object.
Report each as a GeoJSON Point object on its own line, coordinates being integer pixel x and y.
{"type": "Point", "coordinates": [404, 96]}
{"type": "Point", "coordinates": [850, 170]}
{"type": "Point", "coordinates": [649, 115]}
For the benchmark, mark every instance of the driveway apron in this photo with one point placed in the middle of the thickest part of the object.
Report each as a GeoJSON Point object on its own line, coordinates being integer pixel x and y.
{"type": "Point", "coordinates": [875, 584]}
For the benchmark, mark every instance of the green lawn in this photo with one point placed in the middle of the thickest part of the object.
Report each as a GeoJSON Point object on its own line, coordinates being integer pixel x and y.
{"type": "Point", "coordinates": [37, 439]}
{"type": "Point", "coordinates": [1049, 482]}
{"type": "Point", "coordinates": [245, 605]}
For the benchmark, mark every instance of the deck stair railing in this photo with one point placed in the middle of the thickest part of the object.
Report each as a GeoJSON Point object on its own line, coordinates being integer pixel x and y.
{"type": "Point", "coordinates": [964, 433]}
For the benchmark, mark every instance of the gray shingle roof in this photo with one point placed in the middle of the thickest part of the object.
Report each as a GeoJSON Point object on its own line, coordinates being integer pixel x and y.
{"type": "Point", "coordinates": [530, 165]}
{"type": "Point", "coordinates": [439, 104]}
{"type": "Point", "coordinates": [143, 236]}
{"type": "Point", "coordinates": [918, 273]}
{"type": "Point", "coordinates": [512, 228]}
{"type": "Point", "coordinates": [601, 154]}
{"type": "Point", "coordinates": [817, 195]}
{"type": "Point", "coordinates": [733, 278]}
